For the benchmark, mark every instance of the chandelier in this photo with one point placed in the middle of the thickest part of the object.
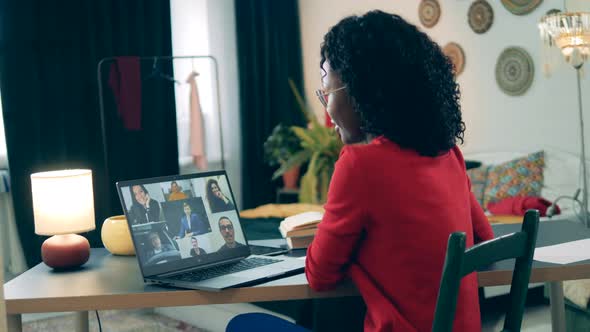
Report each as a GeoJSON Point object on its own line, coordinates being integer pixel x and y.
{"type": "Point", "coordinates": [570, 31]}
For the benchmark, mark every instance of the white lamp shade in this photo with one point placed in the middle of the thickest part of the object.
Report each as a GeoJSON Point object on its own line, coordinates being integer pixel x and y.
{"type": "Point", "coordinates": [63, 201]}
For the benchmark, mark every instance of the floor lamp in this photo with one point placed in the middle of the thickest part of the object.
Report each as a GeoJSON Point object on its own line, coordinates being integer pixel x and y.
{"type": "Point", "coordinates": [570, 31]}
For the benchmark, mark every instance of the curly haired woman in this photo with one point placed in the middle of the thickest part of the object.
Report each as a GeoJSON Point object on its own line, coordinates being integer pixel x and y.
{"type": "Point", "coordinates": [399, 187]}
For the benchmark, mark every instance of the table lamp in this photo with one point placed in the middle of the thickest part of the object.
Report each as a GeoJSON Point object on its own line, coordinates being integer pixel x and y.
{"type": "Point", "coordinates": [63, 204]}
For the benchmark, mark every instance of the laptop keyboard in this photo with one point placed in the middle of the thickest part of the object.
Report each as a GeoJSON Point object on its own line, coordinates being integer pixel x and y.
{"type": "Point", "coordinates": [244, 264]}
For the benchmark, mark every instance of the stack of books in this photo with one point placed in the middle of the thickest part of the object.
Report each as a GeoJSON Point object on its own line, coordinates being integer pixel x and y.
{"type": "Point", "coordinates": [300, 229]}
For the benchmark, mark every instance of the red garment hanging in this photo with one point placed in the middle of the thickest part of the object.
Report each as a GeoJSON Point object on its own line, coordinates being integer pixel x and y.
{"type": "Point", "coordinates": [125, 82]}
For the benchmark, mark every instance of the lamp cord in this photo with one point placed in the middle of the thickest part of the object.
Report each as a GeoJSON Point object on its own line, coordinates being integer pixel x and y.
{"type": "Point", "coordinates": [98, 319]}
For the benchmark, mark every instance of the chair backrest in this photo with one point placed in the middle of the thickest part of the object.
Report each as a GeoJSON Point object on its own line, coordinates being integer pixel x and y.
{"type": "Point", "coordinates": [460, 262]}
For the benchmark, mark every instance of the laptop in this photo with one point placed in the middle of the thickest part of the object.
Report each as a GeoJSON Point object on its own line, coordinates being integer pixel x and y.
{"type": "Point", "coordinates": [187, 233]}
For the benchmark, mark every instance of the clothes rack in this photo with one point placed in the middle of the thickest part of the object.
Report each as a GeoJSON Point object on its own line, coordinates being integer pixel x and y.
{"type": "Point", "coordinates": [155, 59]}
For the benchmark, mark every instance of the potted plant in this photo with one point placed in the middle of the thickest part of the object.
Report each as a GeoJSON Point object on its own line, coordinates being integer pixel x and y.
{"type": "Point", "coordinates": [320, 146]}
{"type": "Point", "coordinates": [279, 147]}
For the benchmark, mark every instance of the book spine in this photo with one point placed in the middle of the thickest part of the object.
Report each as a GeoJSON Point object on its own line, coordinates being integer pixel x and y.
{"type": "Point", "coordinates": [299, 242]}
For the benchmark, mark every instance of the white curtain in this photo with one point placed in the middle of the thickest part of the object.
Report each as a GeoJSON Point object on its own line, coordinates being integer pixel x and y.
{"type": "Point", "coordinates": [11, 250]}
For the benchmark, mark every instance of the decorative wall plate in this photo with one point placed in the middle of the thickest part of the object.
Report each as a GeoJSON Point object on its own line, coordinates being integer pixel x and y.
{"type": "Point", "coordinates": [521, 7]}
{"type": "Point", "coordinates": [429, 12]}
{"type": "Point", "coordinates": [515, 71]}
{"type": "Point", "coordinates": [480, 16]}
{"type": "Point", "coordinates": [457, 56]}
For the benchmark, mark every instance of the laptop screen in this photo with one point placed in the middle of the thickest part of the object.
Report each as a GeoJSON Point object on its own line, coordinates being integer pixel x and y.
{"type": "Point", "coordinates": [184, 221]}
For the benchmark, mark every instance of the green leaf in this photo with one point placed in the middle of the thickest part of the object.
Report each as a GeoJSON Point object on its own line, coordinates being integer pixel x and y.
{"type": "Point", "coordinates": [306, 192]}
{"type": "Point", "coordinates": [280, 145]}
{"type": "Point", "coordinates": [309, 114]}
{"type": "Point", "coordinates": [315, 143]}
{"type": "Point", "coordinates": [309, 182]}
{"type": "Point", "coordinates": [325, 176]}
{"type": "Point", "coordinates": [307, 139]}
{"type": "Point", "coordinates": [319, 136]}
{"type": "Point", "coordinates": [296, 160]}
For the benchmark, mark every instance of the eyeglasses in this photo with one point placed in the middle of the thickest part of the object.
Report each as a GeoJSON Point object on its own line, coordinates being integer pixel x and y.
{"type": "Point", "coordinates": [323, 95]}
{"type": "Point", "coordinates": [226, 227]}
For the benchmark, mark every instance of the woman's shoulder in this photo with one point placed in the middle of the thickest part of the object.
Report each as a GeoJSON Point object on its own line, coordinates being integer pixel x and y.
{"type": "Point", "coordinates": [378, 148]}
{"type": "Point", "coordinates": [358, 158]}
{"type": "Point", "coordinates": [382, 151]}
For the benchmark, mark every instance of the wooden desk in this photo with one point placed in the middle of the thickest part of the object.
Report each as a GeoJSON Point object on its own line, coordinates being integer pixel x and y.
{"type": "Point", "coordinates": [550, 233]}
{"type": "Point", "coordinates": [114, 282]}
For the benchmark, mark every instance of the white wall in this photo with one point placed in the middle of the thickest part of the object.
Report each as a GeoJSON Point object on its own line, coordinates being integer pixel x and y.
{"type": "Point", "coordinates": [546, 116]}
{"type": "Point", "coordinates": [207, 27]}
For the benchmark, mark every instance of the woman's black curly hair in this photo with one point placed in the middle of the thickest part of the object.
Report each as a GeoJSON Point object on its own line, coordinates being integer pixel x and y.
{"type": "Point", "coordinates": [399, 81]}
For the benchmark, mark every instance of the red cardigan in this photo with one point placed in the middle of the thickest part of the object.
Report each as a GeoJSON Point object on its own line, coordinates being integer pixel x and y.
{"type": "Point", "coordinates": [388, 218]}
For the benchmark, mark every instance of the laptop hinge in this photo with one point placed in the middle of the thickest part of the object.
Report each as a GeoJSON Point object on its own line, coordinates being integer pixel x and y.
{"type": "Point", "coordinates": [201, 267]}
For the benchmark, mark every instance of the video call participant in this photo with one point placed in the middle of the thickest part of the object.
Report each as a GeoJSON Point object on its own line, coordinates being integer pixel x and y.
{"type": "Point", "coordinates": [226, 228]}
{"type": "Point", "coordinates": [196, 250]}
{"type": "Point", "coordinates": [190, 223]}
{"type": "Point", "coordinates": [157, 246]}
{"type": "Point", "coordinates": [218, 202]}
{"type": "Point", "coordinates": [143, 209]}
{"type": "Point", "coordinates": [176, 193]}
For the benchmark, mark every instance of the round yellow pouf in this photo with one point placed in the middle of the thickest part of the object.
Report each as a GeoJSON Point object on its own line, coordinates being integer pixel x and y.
{"type": "Point", "coordinates": [116, 237]}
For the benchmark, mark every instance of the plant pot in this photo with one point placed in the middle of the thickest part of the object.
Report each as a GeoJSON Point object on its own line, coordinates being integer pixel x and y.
{"type": "Point", "coordinates": [290, 178]}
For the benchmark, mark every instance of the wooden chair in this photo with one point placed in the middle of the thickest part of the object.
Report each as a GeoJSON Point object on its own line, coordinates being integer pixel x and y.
{"type": "Point", "coordinates": [460, 262]}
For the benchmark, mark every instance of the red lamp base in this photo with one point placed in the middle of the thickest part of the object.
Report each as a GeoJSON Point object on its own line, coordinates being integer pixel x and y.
{"type": "Point", "coordinates": [65, 251]}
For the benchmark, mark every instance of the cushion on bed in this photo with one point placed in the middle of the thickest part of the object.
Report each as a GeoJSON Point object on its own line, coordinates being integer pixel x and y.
{"type": "Point", "coordinates": [518, 177]}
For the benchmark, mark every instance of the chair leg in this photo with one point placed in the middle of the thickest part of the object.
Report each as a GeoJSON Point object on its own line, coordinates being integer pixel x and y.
{"type": "Point", "coordinates": [82, 321]}
{"type": "Point", "coordinates": [14, 322]}
{"type": "Point", "coordinates": [557, 306]}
